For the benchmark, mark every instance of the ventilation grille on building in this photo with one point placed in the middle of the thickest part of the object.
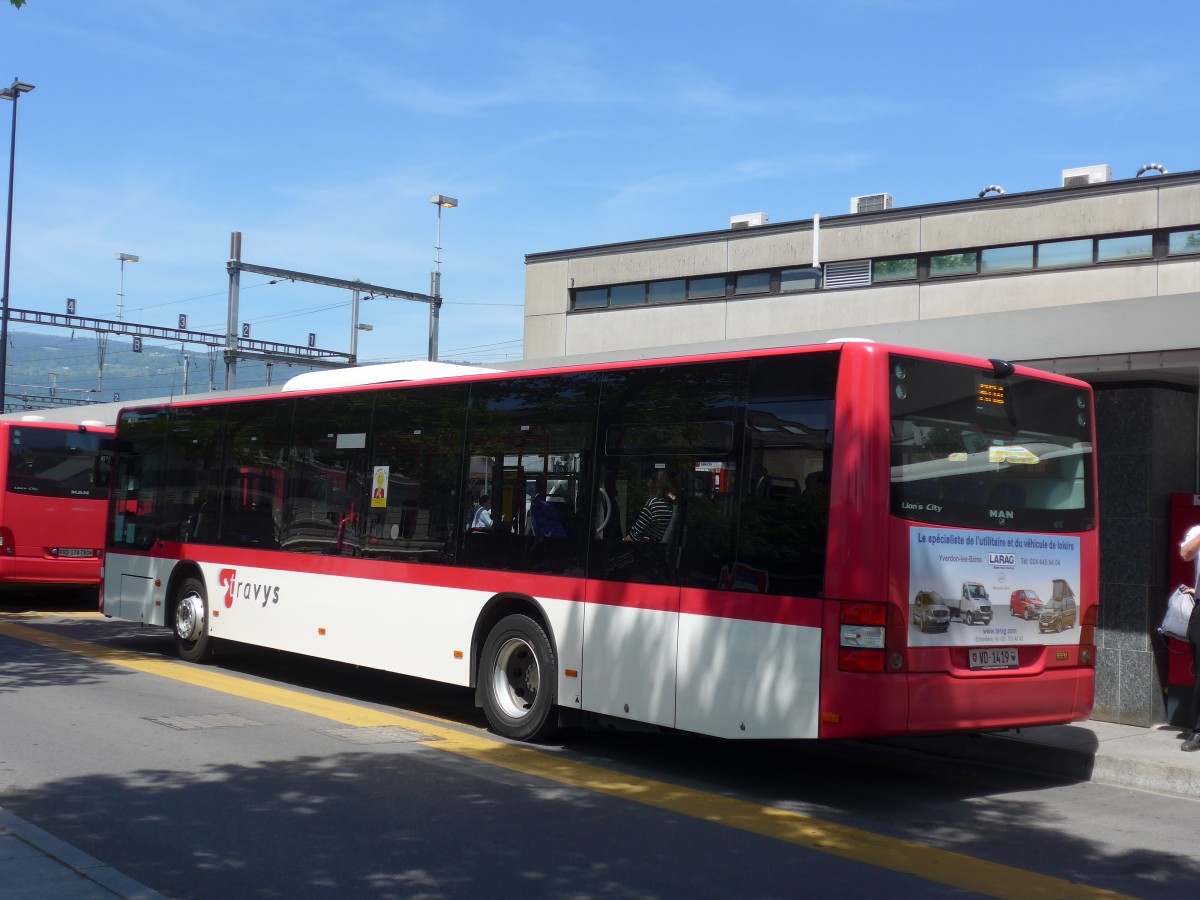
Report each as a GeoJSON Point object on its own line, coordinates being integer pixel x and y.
{"type": "Point", "coordinates": [870, 203]}
{"type": "Point", "coordinates": [1085, 175]}
{"type": "Point", "coordinates": [848, 274]}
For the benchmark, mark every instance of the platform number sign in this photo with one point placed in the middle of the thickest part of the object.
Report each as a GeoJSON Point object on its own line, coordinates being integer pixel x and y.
{"type": "Point", "coordinates": [70, 306]}
{"type": "Point", "coordinates": [137, 345]}
{"type": "Point", "coordinates": [312, 339]}
{"type": "Point", "coordinates": [183, 321]}
{"type": "Point", "coordinates": [246, 330]}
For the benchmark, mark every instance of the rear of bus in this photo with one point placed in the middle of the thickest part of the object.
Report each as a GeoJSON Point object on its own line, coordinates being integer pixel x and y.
{"type": "Point", "coordinates": [988, 490]}
{"type": "Point", "coordinates": [51, 514]}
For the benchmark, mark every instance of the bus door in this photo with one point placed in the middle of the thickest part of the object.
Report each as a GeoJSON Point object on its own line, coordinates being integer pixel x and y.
{"type": "Point", "coordinates": [656, 427]}
{"type": "Point", "coordinates": [632, 614]}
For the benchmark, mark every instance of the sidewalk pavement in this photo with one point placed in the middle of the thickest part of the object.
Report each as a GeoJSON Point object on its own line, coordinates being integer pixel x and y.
{"type": "Point", "coordinates": [35, 865]}
{"type": "Point", "coordinates": [1147, 759]}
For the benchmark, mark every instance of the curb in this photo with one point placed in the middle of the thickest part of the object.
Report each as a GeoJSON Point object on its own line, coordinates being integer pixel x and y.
{"type": "Point", "coordinates": [58, 854]}
{"type": "Point", "coordinates": [1100, 763]}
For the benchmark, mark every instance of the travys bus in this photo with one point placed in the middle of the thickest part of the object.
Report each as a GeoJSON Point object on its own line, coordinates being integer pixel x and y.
{"type": "Point", "coordinates": [619, 579]}
{"type": "Point", "coordinates": [52, 515]}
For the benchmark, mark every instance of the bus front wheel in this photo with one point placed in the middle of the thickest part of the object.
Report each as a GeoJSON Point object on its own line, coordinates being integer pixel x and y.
{"type": "Point", "coordinates": [192, 640]}
{"type": "Point", "coordinates": [520, 676]}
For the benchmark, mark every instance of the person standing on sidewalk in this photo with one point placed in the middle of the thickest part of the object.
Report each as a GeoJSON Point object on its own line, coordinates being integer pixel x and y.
{"type": "Point", "coordinates": [1190, 550]}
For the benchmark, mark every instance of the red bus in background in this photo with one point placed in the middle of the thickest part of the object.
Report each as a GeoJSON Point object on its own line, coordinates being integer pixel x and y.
{"type": "Point", "coordinates": [51, 512]}
{"type": "Point", "coordinates": [784, 543]}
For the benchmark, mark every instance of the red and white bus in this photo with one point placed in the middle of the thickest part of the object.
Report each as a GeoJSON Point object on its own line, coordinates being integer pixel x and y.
{"type": "Point", "coordinates": [51, 514]}
{"type": "Point", "coordinates": [807, 593]}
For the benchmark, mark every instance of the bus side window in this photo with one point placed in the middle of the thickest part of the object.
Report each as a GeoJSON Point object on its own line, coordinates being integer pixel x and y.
{"type": "Point", "coordinates": [530, 455]}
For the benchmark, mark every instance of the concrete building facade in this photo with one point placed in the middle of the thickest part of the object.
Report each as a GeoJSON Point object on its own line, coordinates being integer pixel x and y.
{"type": "Point", "coordinates": [1097, 278]}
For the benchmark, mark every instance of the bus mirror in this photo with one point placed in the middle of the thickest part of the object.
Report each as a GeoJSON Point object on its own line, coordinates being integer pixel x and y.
{"type": "Point", "coordinates": [102, 469]}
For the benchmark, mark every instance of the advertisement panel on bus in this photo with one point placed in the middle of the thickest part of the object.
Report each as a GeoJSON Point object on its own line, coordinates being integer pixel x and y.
{"type": "Point", "coordinates": [974, 575]}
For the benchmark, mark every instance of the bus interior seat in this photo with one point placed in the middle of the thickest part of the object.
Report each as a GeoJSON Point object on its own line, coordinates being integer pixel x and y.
{"type": "Point", "coordinates": [1007, 494]}
{"type": "Point", "coordinates": [965, 490]}
{"type": "Point", "coordinates": [420, 530]}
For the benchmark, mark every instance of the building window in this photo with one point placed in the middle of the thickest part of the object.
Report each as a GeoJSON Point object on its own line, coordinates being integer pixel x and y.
{"type": "Point", "coordinates": [1138, 246]}
{"type": "Point", "coordinates": [699, 288]}
{"type": "Point", "coordinates": [1055, 254]}
{"type": "Point", "coordinates": [752, 283]}
{"type": "Point", "coordinates": [895, 269]}
{"type": "Point", "coordinates": [592, 298]}
{"type": "Point", "coordinates": [627, 295]}
{"type": "Point", "coordinates": [800, 280]}
{"type": "Point", "coordinates": [1006, 259]}
{"type": "Point", "coordinates": [919, 267]}
{"type": "Point", "coordinates": [668, 291]}
{"type": "Point", "coordinates": [945, 264]}
{"type": "Point", "coordinates": [1181, 242]}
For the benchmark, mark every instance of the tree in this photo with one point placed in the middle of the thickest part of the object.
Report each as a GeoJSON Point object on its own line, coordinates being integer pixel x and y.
{"type": "Point", "coordinates": [17, 3]}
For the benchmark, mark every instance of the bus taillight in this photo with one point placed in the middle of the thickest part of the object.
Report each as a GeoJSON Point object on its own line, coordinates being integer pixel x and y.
{"type": "Point", "coordinates": [864, 614]}
{"type": "Point", "coordinates": [1087, 637]}
{"type": "Point", "coordinates": [863, 639]}
{"type": "Point", "coordinates": [851, 660]}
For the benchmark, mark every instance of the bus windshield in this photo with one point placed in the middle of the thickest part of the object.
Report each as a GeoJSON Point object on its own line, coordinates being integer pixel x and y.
{"type": "Point", "coordinates": [974, 450]}
{"type": "Point", "coordinates": [53, 463]}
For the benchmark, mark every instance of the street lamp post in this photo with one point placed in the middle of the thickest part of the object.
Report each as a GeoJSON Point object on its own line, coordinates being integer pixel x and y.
{"type": "Point", "coordinates": [123, 258]}
{"type": "Point", "coordinates": [435, 280]}
{"type": "Point", "coordinates": [9, 93]}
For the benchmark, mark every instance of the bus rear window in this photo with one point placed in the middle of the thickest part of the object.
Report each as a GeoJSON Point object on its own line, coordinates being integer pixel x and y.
{"type": "Point", "coordinates": [975, 450]}
{"type": "Point", "coordinates": [52, 463]}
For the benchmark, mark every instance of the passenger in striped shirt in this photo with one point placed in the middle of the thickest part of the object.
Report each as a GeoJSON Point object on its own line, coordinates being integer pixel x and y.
{"type": "Point", "coordinates": [655, 516]}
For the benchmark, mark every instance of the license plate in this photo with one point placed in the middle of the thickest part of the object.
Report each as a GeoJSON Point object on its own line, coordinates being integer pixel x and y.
{"type": "Point", "coordinates": [74, 551]}
{"type": "Point", "coordinates": [993, 657]}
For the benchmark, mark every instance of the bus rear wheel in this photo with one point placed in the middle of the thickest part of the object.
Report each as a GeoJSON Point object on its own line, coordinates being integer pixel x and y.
{"type": "Point", "coordinates": [519, 675]}
{"type": "Point", "coordinates": [190, 613]}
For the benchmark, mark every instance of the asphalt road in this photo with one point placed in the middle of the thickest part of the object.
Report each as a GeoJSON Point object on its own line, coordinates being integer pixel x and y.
{"type": "Point", "coordinates": [268, 775]}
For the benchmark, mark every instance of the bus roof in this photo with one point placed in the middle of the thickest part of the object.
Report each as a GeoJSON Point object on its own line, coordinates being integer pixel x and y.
{"type": "Point", "coordinates": [416, 370]}
{"type": "Point", "coordinates": [422, 371]}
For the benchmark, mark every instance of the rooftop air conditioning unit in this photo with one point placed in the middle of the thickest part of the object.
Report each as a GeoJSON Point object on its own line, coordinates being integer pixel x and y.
{"type": "Point", "coordinates": [748, 220]}
{"type": "Point", "coordinates": [1085, 175]}
{"type": "Point", "coordinates": [870, 203]}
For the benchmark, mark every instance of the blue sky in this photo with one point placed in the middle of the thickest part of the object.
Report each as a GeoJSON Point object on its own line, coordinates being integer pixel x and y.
{"type": "Point", "coordinates": [320, 130]}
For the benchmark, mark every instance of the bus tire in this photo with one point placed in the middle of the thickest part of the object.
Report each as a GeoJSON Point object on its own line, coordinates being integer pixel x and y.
{"type": "Point", "coordinates": [190, 617]}
{"type": "Point", "coordinates": [520, 677]}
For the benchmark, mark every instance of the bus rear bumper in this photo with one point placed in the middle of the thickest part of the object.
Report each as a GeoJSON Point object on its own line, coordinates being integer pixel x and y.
{"type": "Point", "coordinates": [894, 705]}
{"type": "Point", "coordinates": [49, 571]}
{"type": "Point", "coordinates": [940, 702]}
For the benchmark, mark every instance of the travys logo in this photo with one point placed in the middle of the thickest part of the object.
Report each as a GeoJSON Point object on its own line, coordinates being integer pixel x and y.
{"type": "Point", "coordinates": [247, 590]}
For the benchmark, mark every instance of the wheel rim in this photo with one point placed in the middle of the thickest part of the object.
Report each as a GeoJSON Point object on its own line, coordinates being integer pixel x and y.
{"type": "Point", "coordinates": [515, 678]}
{"type": "Point", "coordinates": [189, 616]}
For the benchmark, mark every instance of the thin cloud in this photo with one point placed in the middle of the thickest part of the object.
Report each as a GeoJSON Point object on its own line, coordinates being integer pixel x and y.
{"type": "Point", "coordinates": [740, 172]}
{"type": "Point", "coordinates": [1084, 91]}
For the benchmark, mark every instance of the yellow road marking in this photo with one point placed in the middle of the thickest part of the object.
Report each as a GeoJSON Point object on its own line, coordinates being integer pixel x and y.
{"type": "Point", "coordinates": [895, 854]}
